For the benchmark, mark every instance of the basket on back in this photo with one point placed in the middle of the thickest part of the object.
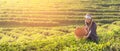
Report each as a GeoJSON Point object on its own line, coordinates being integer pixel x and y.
{"type": "Point", "coordinates": [80, 32]}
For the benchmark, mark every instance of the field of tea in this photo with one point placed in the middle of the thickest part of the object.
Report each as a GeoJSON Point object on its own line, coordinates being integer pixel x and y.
{"type": "Point", "coordinates": [57, 12]}
{"type": "Point", "coordinates": [48, 25]}
{"type": "Point", "coordinates": [58, 39]}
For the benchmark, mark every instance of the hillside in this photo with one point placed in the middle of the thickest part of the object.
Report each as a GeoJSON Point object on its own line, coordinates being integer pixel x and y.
{"type": "Point", "coordinates": [57, 12]}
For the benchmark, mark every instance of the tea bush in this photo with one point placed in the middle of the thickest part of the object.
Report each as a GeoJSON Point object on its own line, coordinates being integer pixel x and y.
{"type": "Point", "coordinates": [58, 39]}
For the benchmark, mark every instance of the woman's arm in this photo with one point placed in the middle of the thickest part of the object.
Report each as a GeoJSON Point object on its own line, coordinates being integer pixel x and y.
{"type": "Point", "coordinates": [89, 29]}
{"type": "Point", "coordinates": [88, 34]}
{"type": "Point", "coordinates": [92, 31]}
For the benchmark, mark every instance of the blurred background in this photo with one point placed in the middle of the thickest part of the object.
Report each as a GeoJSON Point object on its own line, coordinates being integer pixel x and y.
{"type": "Point", "coordinates": [50, 13]}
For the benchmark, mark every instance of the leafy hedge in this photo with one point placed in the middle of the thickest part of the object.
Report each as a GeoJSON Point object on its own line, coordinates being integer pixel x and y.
{"type": "Point", "coordinates": [58, 39]}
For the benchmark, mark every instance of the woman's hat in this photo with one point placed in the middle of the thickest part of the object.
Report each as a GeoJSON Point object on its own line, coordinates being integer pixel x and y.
{"type": "Point", "coordinates": [88, 16]}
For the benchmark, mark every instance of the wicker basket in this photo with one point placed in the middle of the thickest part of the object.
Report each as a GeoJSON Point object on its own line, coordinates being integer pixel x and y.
{"type": "Point", "coordinates": [80, 32]}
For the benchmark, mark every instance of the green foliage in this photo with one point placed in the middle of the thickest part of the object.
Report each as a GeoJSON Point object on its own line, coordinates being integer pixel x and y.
{"type": "Point", "coordinates": [58, 39]}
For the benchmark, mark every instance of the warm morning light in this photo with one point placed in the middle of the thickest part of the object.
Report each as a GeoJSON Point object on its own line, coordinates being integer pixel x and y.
{"type": "Point", "coordinates": [59, 25]}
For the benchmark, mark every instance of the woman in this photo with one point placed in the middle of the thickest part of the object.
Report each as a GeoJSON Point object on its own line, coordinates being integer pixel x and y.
{"type": "Point", "coordinates": [91, 28]}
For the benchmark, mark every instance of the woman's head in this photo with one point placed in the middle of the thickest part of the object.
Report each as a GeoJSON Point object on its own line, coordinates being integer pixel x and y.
{"type": "Point", "coordinates": [88, 18]}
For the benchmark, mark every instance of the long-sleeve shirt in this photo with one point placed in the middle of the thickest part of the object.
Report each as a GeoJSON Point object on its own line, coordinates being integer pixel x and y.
{"type": "Point", "coordinates": [93, 34]}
